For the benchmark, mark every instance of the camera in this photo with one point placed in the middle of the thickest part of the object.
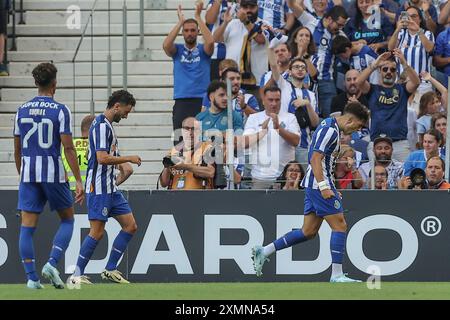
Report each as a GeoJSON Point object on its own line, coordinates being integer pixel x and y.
{"type": "Point", "coordinates": [169, 161]}
{"type": "Point", "coordinates": [418, 179]}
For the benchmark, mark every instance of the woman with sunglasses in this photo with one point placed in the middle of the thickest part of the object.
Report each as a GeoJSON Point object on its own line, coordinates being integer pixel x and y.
{"type": "Point", "coordinates": [416, 43]}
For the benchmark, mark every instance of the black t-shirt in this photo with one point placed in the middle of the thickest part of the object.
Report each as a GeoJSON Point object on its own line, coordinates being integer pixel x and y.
{"type": "Point", "coordinates": [341, 100]}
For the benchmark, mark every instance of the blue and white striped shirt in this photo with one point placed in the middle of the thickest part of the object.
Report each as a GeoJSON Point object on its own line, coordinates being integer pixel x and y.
{"type": "Point", "coordinates": [39, 123]}
{"type": "Point", "coordinates": [101, 179]}
{"type": "Point", "coordinates": [325, 140]}
{"type": "Point", "coordinates": [323, 59]}
{"type": "Point", "coordinates": [415, 54]}
{"type": "Point", "coordinates": [274, 12]}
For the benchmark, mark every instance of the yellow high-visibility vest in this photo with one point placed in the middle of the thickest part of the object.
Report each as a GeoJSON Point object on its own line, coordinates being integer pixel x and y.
{"type": "Point", "coordinates": [81, 147]}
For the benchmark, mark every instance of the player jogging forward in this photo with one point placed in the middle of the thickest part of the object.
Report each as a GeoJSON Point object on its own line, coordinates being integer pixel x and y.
{"type": "Point", "coordinates": [40, 126]}
{"type": "Point", "coordinates": [322, 201]}
{"type": "Point", "coordinates": [103, 198]}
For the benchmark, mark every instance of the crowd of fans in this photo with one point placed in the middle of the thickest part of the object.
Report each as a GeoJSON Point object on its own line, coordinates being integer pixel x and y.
{"type": "Point", "coordinates": [292, 63]}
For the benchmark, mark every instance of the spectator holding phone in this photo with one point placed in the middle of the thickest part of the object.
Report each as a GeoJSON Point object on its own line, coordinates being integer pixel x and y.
{"type": "Point", "coordinates": [416, 43]}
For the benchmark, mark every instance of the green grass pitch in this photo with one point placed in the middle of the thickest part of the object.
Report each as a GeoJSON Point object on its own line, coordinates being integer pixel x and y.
{"type": "Point", "coordinates": [234, 291]}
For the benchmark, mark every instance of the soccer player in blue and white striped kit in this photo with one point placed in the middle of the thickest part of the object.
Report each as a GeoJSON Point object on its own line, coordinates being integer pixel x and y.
{"type": "Point", "coordinates": [40, 126]}
{"type": "Point", "coordinates": [103, 198]}
{"type": "Point", "coordinates": [322, 201]}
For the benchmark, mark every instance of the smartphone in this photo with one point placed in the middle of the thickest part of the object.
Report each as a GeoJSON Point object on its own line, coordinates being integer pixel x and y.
{"type": "Point", "coordinates": [404, 16]}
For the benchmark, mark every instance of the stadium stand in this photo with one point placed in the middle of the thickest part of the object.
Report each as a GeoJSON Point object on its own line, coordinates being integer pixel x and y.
{"type": "Point", "coordinates": [45, 37]}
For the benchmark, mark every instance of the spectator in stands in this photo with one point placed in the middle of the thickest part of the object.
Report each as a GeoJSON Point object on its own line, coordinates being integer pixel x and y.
{"type": "Point", "coordinates": [440, 89]}
{"type": "Point", "coordinates": [187, 165]}
{"type": "Point", "coordinates": [435, 172]}
{"type": "Point", "coordinates": [242, 102]}
{"type": "Point", "coordinates": [388, 100]}
{"type": "Point", "coordinates": [416, 42]}
{"type": "Point", "coordinates": [245, 43]}
{"type": "Point", "coordinates": [214, 16]}
{"type": "Point", "coordinates": [346, 174]}
{"type": "Point", "coordinates": [352, 56]}
{"type": "Point", "coordinates": [417, 159]}
{"type": "Point", "coordinates": [381, 176]}
{"type": "Point", "coordinates": [442, 52]}
{"type": "Point", "coordinates": [429, 105]}
{"type": "Point", "coordinates": [302, 45]}
{"type": "Point", "coordinates": [426, 10]}
{"type": "Point", "coordinates": [352, 93]}
{"type": "Point", "coordinates": [369, 26]}
{"type": "Point", "coordinates": [191, 65]}
{"type": "Point", "coordinates": [277, 14]}
{"type": "Point", "coordinates": [383, 150]}
{"type": "Point", "coordinates": [4, 7]}
{"type": "Point", "coordinates": [434, 176]}
{"type": "Point", "coordinates": [283, 56]}
{"type": "Point", "coordinates": [275, 149]}
{"type": "Point", "coordinates": [215, 117]}
{"type": "Point", "coordinates": [439, 123]}
{"type": "Point", "coordinates": [358, 144]}
{"type": "Point", "coordinates": [298, 100]}
{"type": "Point", "coordinates": [291, 176]}
{"type": "Point", "coordinates": [324, 31]}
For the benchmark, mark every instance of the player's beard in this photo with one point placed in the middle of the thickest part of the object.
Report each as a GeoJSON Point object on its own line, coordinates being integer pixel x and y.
{"type": "Point", "coordinates": [117, 117]}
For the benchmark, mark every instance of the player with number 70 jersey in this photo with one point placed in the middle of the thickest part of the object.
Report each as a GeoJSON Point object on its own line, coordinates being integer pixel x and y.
{"type": "Point", "coordinates": [41, 125]}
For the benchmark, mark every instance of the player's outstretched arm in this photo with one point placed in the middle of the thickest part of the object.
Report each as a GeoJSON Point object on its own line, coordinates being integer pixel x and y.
{"type": "Point", "coordinates": [126, 170]}
{"type": "Point", "coordinates": [104, 158]}
{"type": "Point", "coordinates": [71, 156]}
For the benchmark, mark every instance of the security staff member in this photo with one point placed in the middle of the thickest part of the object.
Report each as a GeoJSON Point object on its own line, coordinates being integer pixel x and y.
{"type": "Point", "coordinates": [81, 146]}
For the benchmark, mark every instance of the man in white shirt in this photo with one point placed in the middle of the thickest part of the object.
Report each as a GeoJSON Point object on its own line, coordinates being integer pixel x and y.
{"type": "Point", "coordinates": [242, 36]}
{"type": "Point", "coordinates": [277, 148]}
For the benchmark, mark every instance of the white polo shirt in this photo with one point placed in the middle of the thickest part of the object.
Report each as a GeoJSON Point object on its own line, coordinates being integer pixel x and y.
{"type": "Point", "coordinates": [269, 156]}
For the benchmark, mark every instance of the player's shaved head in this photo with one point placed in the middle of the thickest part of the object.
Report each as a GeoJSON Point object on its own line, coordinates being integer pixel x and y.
{"type": "Point", "coordinates": [86, 124]}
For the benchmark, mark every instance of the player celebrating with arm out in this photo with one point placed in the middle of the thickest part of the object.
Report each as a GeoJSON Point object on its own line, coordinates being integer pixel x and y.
{"type": "Point", "coordinates": [40, 126]}
{"type": "Point", "coordinates": [322, 201]}
{"type": "Point", "coordinates": [103, 198]}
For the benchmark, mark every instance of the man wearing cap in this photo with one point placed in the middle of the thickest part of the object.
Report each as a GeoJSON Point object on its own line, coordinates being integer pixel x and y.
{"type": "Point", "coordinates": [245, 43]}
{"type": "Point", "coordinates": [383, 149]}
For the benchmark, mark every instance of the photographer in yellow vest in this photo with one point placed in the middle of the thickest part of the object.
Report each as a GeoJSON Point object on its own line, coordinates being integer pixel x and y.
{"type": "Point", "coordinates": [186, 167]}
{"type": "Point", "coordinates": [81, 147]}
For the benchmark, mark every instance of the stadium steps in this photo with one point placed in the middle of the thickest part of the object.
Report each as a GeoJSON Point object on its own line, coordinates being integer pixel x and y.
{"type": "Point", "coordinates": [45, 37]}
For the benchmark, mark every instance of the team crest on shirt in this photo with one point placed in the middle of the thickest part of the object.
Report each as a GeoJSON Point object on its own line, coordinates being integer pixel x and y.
{"type": "Point", "coordinates": [337, 204]}
{"type": "Point", "coordinates": [324, 42]}
{"type": "Point", "coordinates": [282, 125]}
{"type": "Point", "coordinates": [395, 92]}
{"type": "Point", "coordinates": [224, 121]}
{"type": "Point", "coordinates": [323, 123]}
{"type": "Point", "coordinates": [105, 211]}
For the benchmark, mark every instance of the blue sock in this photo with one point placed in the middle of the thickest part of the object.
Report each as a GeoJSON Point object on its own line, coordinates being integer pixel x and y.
{"type": "Point", "coordinates": [289, 239]}
{"type": "Point", "coordinates": [61, 241]}
{"type": "Point", "coordinates": [119, 246]}
{"type": "Point", "coordinates": [86, 251]}
{"type": "Point", "coordinates": [26, 250]}
{"type": "Point", "coordinates": [337, 246]}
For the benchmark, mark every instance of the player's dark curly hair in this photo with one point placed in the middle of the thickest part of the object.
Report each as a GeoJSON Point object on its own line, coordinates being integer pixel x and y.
{"type": "Point", "coordinates": [357, 109]}
{"type": "Point", "coordinates": [44, 74]}
{"type": "Point", "coordinates": [122, 97]}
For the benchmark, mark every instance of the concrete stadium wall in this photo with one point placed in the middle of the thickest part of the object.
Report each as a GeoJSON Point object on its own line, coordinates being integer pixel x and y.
{"type": "Point", "coordinates": [207, 236]}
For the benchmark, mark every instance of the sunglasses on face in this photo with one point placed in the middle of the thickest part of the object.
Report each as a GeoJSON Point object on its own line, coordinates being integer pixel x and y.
{"type": "Point", "coordinates": [385, 69]}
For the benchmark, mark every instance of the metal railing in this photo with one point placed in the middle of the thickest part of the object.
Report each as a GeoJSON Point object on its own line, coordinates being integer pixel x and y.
{"type": "Point", "coordinates": [91, 21]}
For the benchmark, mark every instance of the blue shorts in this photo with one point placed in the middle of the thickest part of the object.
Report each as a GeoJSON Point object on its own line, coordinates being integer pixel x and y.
{"type": "Point", "coordinates": [103, 206]}
{"type": "Point", "coordinates": [314, 202]}
{"type": "Point", "coordinates": [33, 196]}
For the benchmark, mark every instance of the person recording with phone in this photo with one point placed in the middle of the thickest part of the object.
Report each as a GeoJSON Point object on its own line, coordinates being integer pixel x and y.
{"type": "Point", "coordinates": [416, 43]}
{"type": "Point", "coordinates": [189, 165]}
